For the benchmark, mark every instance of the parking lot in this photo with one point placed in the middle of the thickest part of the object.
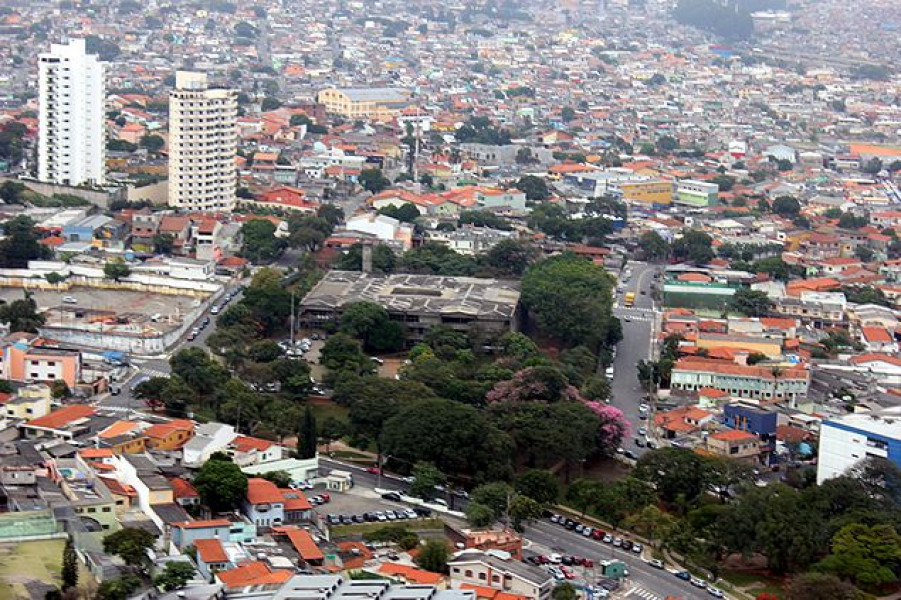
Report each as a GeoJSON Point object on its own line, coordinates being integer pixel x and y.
{"type": "Point", "coordinates": [358, 504]}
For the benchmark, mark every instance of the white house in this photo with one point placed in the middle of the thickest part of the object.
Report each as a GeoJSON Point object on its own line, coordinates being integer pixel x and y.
{"type": "Point", "coordinates": [209, 438]}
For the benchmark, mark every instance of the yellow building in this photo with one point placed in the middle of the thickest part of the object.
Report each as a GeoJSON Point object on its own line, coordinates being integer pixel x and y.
{"type": "Point", "coordinates": [648, 192]}
{"type": "Point", "coordinates": [378, 104]}
{"type": "Point", "coordinates": [31, 402]}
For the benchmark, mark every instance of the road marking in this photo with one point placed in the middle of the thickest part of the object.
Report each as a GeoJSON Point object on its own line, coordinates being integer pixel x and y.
{"type": "Point", "coordinates": [643, 593]}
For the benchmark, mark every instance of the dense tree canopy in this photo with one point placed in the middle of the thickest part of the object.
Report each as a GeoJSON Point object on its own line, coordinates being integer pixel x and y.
{"type": "Point", "coordinates": [570, 300]}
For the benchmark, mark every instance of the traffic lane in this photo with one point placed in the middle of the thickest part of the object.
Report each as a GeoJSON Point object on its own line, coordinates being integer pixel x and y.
{"type": "Point", "coordinates": [364, 478]}
{"type": "Point", "coordinates": [565, 541]}
{"type": "Point", "coordinates": [626, 391]}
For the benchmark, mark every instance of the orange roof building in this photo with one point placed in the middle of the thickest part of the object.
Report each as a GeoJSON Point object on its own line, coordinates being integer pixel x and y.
{"type": "Point", "coordinates": [252, 574]}
{"type": "Point", "coordinates": [409, 574]}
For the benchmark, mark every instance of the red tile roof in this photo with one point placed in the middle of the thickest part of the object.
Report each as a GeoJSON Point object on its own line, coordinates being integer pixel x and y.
{"type": "Point", "coordinates": [302, 542]}
{"type": "Point", "coordinates": [183, 489]}
{"type": "Point", "coordinates": [876, 334]}
{"type": "Point", "coordinates": [211, 551]}
{"type": "Point", "coordinates": [295, 500]}
{"type": "Point", "coordinates": [63, 416]}
{"type": "Point", "coordinates": [734, 435]}
{"type": "Point", "coordinates": [243, 443]}
{"type": "Point", "coordinates": [411, 574]}
{"type": "Point", "coordinates": [253, 573]}
{"type": "Point", "coordinates": [262, 491]}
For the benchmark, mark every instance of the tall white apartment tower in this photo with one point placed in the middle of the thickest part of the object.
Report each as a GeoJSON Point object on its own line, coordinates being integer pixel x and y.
{"type": "Point", "coordinates": [71, 99]}
{"type": "Point", "coordinates": [203, 142]}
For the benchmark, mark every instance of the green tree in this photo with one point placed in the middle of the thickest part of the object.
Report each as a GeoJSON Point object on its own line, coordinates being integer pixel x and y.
{"type": "Point", "coordinates": [510, 258]}
{"type": "Point", "coordinates": [751, 303]}
{"type": "Point", "coordinates": [174, 576]}
{"type": "Point", "coordinates": [130, 544]}
{"type": "Point", "coordinates": [456, 438]}
{"type": "Point", "coordinates": [221, 484]}
{"type": "Point", "coordinates": [70, 566]}
{"type": "Point", "coordinates": [264, 351]}
{"type": "Point", "coordinates": [570, 299]}
{"type": "Point", "coordinates": [280, 478]}
{"type": "Point", "coordinates": [259, 244]}
{"type": "Point", "coordinates": [583, 494]}
{"type": "Point", "coordinates": [786, 206]}
{"type": "Point", "coordinates": [673, 472]}
{"type": "Point", "coordinates": [725, 182]}
{"type": "Point", "coordinates": [342, 355]}
{"type": "Point", "coordinates": [433, 555]}
{"type": "Point", "coordinates": [22, 314]}
{"type": "Point", "coordinates": [564, 591]}
{"type": "Point", "coordinates": [406, 212]}
{"type": "Point", "coordinates": [118, 588]}
{"type": "Point", "coordinates": [479, 515]}
{"type": "Point", "coordinates": [872, 166]}
{"type": "Point", "coordinates": [152, 143]}
{"type": "Point", "coordinates": [163, 243]}
{"type": "Point", "coordinates": [21, 244]}
{"type": "Point", "coordinates": [268, 300]}
{"type": "Point", "coordinates": [12, 192]}
{"type": "Point", "coordinates": [307, 437]}
{"type": "Point", "coordinates": [425, 479]}
{"type": "Point", "coordinates": [373, 180]}
{"type": "Point", "coordinates": [539, 485]}
{"type": "Point", "coordinates": [116, 270]}
{"type": "Point", "coordinates": [270, 103]}
{"type": "Point", "coordinates": [198, 370]}
{"type": "Point", "coordinates": [370, 323]}
{"type": "Point", "coordinates": [694, 246]}
{"type": "Point", "coordinates": [293, 376]}
{"type": "Point", "coordinates": [300, 119]}
{"type": "Point", "coordinates": [821, 586]}
{"type": "Point", "coordinates": [567, 114]}
{"type": "Point", "coordinates": [383, 259]}
{"type": "Point", "coordinates": [535, 188]}
{"type": "Point", "coordinates": [653, 247]}
{"type": "Point", "coordinates": [866, 555]}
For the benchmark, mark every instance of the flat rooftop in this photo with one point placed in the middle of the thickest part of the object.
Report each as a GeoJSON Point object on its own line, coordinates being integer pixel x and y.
{"type": "Point", "coordinates": [465, 296]}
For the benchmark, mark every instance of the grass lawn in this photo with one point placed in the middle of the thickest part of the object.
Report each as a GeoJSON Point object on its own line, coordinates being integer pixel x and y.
{"type": "Point", "coordinates": [37, 563]}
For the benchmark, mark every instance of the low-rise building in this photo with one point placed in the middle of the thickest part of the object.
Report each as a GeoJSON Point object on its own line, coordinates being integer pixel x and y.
{"type": "Point", "coordinates": [419, 302]}
{"type": "Point", "coordinates": [734, 444]}
{"type": "Point", "coordinates": [697, 194]}
{"type": "Point", "coordinates": [490, 570]}
{"type": "Point", "coordinates": [380, 104]}
{"type": "Point", "coordinates": [767, 384]}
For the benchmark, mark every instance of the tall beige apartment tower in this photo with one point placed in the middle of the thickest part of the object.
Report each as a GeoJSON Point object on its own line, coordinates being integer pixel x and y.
{"type": "Point", "coordinates": [203, 142]}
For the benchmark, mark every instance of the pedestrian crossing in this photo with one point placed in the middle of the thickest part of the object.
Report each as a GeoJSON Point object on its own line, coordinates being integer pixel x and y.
{"type": "Point", "coordinates": [640, 592]}
{"type": "Point", "coordinates": [153, 373]}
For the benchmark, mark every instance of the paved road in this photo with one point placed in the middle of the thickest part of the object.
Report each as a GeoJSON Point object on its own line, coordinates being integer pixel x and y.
{"type": "Point", "coordinates": [156, 367]}
{"type": "Point", "coordinates": [637, 323]}
{"type": "Point", "coordinates": [651, 583]}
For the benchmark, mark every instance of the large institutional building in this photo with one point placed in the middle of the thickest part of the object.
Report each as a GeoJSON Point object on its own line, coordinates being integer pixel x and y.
{"type": "Point", "coordinates": [203, 142]}
{"type": "Point", "coordinates": [380, 104]}
{"type": "Point", "coordinates": [71, 97]}
{"type": "Point", "coordinates": [850, 439]}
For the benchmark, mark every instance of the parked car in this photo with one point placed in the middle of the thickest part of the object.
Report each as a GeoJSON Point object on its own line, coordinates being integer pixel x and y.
{"type": "Point", "coordinates": [657, 564]}
{"type": "Point", "coordinates": [391, 496]}
{"type": "Point", "coordinates": [715, 592]}
{"type": "Point", "coordinates": [627, 545]}
{"type": "Point", "coordinates": [374, 470]}
{"type": "Point", "coordinates": [608, 539]}
{"type": "Point", "coordinates": [598, 534]}
{"type": "Point", "coordinates": [567, 560]}
{"type": "Point", "coordinates": [698, 583]}
{"type": "Point", "coordinates": [555, 518]}
{"type": "Point", "coordinates": [70, 300]}
{"type": "Point", "coordinates": [637, 548]}
{"type": "Point", "coordinates": [587, 531]}
{"type": "Point", "coordinates": [618, 542]}
{"type": "Point", "coordinates": [683, 575]}
{"type": "Point", "coordinates": [440, 501]}
{"type": "Point", "coordinates": [579, 528]}
{"type": "Point", "coordinates": [555, 559]}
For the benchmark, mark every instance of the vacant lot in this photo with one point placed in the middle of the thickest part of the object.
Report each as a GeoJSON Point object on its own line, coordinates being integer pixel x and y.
{"type": "Point", "coordinates": [29, 569]}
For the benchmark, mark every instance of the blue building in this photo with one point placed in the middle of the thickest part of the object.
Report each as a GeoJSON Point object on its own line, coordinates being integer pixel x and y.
{"type": "Point", "coordinates": [750, 418]}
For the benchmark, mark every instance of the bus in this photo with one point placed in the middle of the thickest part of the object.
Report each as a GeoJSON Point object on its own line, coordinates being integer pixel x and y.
{"type": "Point", "coordinates": [629, 300]}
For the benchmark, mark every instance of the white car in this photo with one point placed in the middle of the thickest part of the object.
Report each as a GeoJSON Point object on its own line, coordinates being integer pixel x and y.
{"type": "Point", "coordinates": [555, 559]}
{"type": "Point", "coordinates": [70, 300]}
{"type": "Point", "coordinates": [698, 583]}
{"type": "Point", "coordinates": [715, 592]}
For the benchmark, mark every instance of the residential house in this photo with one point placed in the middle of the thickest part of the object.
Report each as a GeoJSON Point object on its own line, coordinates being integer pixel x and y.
{"type": "Point", "coordinates": [751, 418]}
{"type": "Point", "coordinates": [169, 436]}
{"type": "Point", "coordinates": [681, 421]}
{"type": "Point", "coordinates": [487, 569]}
{"type": "Point", "coordinates": [208, 438]}
{"type": "Point", "coordinates": [878, 339]}
{"type": "Point", "coordinates": [61, 424]}
{"type": "Point", "coordinates": [735, 444]}
{"type": "Point", "coordinates": [264, 504]}
{"type": "Point", "coordinates": [188, 532]}
{"type": "Point", "coordinates": [246, 451]}
{"type": "Point", "coordinates": [211, 557]}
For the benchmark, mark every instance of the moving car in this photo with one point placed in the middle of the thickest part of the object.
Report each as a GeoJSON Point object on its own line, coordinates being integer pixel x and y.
{"type": "Point", "coordinates": [70, 300]}
{"type": "Point", "coordinates": [657, 564]}
{"type": "Point", "coordinates": [683, 575]}
{"type": "Point", "coordinates": [715, 592]}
